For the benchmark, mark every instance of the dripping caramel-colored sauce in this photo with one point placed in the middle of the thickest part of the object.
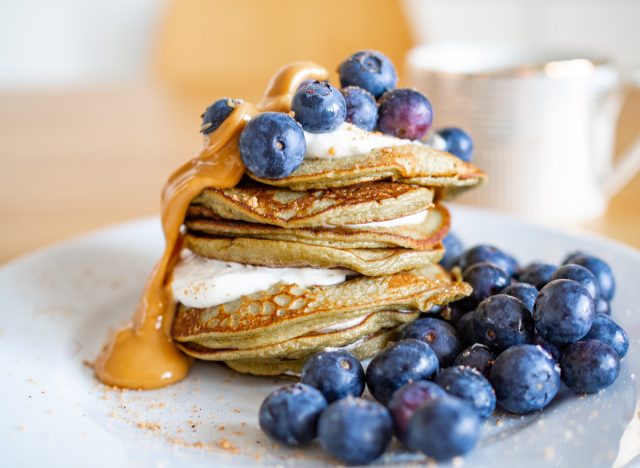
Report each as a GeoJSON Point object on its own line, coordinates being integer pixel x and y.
{"type": "Point", "coordinates": [143, 355]}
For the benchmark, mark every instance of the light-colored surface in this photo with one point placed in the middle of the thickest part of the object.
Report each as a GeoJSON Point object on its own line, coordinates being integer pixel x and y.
{"type": "Point", "coordinates": [64, 300]}
{"type": "Point", "coordinates": [74, 161]}
{"type": "Point", "coordinates": [63, 43]}
{"type": "Point", "coordinates": [557, 23]}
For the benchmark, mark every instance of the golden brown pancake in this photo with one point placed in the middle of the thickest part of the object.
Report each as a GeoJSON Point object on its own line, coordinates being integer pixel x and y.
{"type": "Point", "coordinates": [415, 164]}
{"type": "Point", "coordinates": [363, 203]}
{"type": "Point", "coordinates": [286, 311]}
{"type": "Point", "coordinates": [423, 236]}
{"type": "Point", "coordinates": [314, 341]}
{"type": "Point", "coordinates": [362, 349]}
{"type": "Point", "coordinates": [279, 254]}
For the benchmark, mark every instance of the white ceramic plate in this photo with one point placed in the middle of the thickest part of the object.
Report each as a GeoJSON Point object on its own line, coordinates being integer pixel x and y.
{"type": "Point", "coordinates": [59, 304]}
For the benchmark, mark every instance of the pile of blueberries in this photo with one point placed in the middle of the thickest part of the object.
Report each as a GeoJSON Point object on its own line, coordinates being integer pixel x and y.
{"type": "Point", "coordinates": [272, 145]}
{"type": "Point", "coordinates": [512, 342]}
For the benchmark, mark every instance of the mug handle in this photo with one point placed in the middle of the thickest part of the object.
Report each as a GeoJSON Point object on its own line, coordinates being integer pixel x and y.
{"type": "Point", "coordinates": [629, 163]}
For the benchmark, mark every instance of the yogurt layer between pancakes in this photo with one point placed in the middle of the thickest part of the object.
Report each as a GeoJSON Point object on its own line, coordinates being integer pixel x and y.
{"type": "Point", "coordinates": [285, 311]}
{"type": "Point", "coordinates": [421, 231]}
{"type": "Point", "coordinates": [362, 203]}
{"type": "Point", "coordinates": [412, 164]}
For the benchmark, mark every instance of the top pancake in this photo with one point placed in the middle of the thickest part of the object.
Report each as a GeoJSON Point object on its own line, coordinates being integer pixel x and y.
{"type": "Point", "coordinates": [363, 203]}
{"type": "Point", "coordinates": [411, 164]}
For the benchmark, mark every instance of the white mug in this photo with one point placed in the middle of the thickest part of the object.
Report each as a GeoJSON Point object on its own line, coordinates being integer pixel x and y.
{"type": "Point", "coordinates": [543, 124]}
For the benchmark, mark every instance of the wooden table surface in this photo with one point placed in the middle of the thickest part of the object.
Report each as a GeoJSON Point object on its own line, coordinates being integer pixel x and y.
{"type": "Point", "coordinates": [76, 161]}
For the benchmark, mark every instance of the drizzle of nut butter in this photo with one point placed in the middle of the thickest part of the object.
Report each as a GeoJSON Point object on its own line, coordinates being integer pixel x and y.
{"type": "Point", "coordinates": [143, 355]}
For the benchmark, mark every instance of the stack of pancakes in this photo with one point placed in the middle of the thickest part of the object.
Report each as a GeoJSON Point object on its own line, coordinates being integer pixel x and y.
{"type": "Point", "coordinates": [377, 215]}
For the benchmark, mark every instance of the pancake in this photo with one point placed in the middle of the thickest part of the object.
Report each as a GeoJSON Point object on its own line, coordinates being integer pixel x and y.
{"type": "Point", "coordinates": [412, 164]}
{"type": "Point", "coordinates": [362, 349]}
{"type": "Point", "coordinates": [424, 236]}
{"type": "Point", "coordinates": [286, 311]}
{"type": "Point", "coordinates": [309, 343]}
{"type": "Point", "coordinates": [285, 208]}
{"type": "Point", "coordinates": [276, 253]}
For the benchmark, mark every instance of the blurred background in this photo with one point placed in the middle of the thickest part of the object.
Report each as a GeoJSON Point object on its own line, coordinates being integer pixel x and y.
{"type": "Point", "coordinates": [100, 101]}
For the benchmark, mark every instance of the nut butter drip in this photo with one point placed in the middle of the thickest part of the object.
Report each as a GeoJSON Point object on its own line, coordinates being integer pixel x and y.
{"type": "Point", "coordinates": [285, 83]}
{"type": "Point", "coordinates": [143, 355]}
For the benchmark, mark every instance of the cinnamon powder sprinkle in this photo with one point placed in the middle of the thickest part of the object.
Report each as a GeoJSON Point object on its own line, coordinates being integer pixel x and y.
{"type": "Point", "coordinates": [149, 426]}
{"type": "Point", "coordinates": [224, 444]}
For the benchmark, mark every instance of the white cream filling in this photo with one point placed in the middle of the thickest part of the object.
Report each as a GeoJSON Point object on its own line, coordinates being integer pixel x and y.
{"type": "Point", "coordinates": [202, 282]}
{"type": "Point", "coordinates": [409, 220]}
{"type": "Point", "coordinates": [350, 323]}
{"type": "Point", "coordinates": [342, 325]}
{"type": "Point", "coordinates": [349, 140]}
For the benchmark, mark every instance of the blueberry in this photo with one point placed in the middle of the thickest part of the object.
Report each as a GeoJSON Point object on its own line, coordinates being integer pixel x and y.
{"type": "Point", "coordinates": [216, 113]}
{"type": "Point", "coordinates": [460, 308]}
{"type": "Point", "coordinates": [407, 399]}
{"type": "Point", "coordinates": [438, 334]}
{"type": "Point", "coordinates": [354, 430]}
{"type": "Point", "coordinates": [525, 378]}
{"type": "Point", "coordinates": [600, 270]}
{"type": "Point", "coordinates": [370, 70]}
{"type": "Point", "coordinates": [476, 356]}
{"type": "Point", "coordinates": [304, 84]}
{"type": "Point", "coordinates": [362, 109]}
{"type": "Point", "coordinates": [447, 313]}
{"type": "Point", "coordinates": [453, 247]}
{"type": "Point", "coordinates": [469, 385]}
{"type": "Point", "coordinates": [502, 321]}
{"type": "Point", "coordinates": [581, 275]}
{"type": "Point", "coordinates": [486, 280]}
{"type": "Point", "coordinates": [452, 314]}
{"type": "Point", "coordinates": [606, 330]}
{"type": "Point", "coordinates": [547, 346]}
{"type": "Point", "coordinates": [319, 107]}
{"type": "Point", "coordinates": [571, 255]}
{"type": "Point", "coordinates": [402, 362]}
{"type": "Point", "coordinates": [337, 374]}
{"type": "Point", "coordinates": [465, 330]}
{"type": "Point", "coordinates": [458, 142]}
{"type": "Point", "coordinates": [437, 310]}
{"type": "Point", "coordinates": [537, 273]}
{"type": "Point", "coordinates": [589, 366]}
{"type": "Point", "coordinates": [488, 253]}
{"type": "Point", "coordinates": [603, 307]}
{"type": "Point", "coordinates": [444, 428]}
{"type": "Point", "coordinates": [563, 312]}
{"type": "Point", "coordinates": [440, 311]}
{"type": "Point", "coordinates": [526, 292]}
{"type": "Point", "coordinates": [404, 113]}
{"type": "Point", "coordinates": [290, 414]}
{"type": "Point", "coordinates": [272, 145]}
